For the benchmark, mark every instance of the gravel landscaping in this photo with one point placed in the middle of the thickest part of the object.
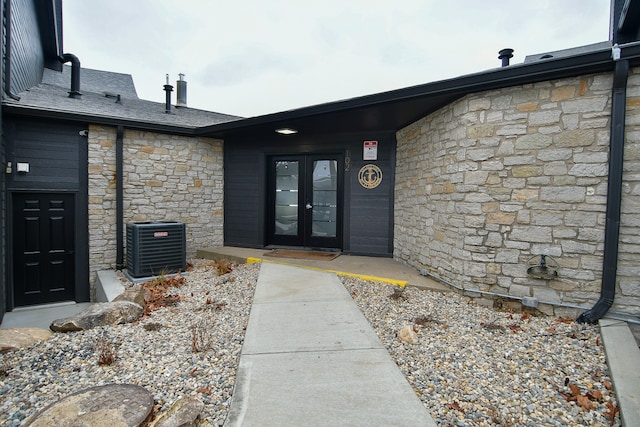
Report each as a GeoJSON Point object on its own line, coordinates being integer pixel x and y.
{"type": "Point", "coordinates": [475, 366]}
{"type": "Point", "coordinates": [471, 365]}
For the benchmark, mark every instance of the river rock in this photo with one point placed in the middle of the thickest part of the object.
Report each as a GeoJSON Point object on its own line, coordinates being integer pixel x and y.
{"type": "Point", "coordinates": [112, 405]}
{"type": "Point", "coordinates": [408, 335]}
{"type": "Point", "coordinates": [15, 338]}
{"type": "Point", "coordinates": [99, 314]}
{"type": "Point", "coordinates": [183, 413]}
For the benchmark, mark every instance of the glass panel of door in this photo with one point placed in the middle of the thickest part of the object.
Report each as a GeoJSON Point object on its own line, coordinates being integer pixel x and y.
{"type": "Point", "coordinates": [324, 198]}
{"type": "Point", "coordinates": [286, 197]}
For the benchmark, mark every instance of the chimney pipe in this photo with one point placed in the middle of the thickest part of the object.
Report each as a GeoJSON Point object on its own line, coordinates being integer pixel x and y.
{"type": "Point", "coordinates": [168, 88]}
{"type": "Point", "coordinates": [181, 92]}
{"type": "Point", "coordinates": [75, 74]}
{"type": "Point", "coordinates": [505, 55]}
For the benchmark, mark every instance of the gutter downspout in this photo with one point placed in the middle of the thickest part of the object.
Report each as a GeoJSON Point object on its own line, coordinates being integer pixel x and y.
{"type": "Point", "coordinates": [614, 195]}
{"type": "Point", "coordinates": [119, 200]}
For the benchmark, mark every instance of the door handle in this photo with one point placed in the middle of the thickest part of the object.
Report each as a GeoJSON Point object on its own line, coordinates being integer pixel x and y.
{"type": "Point", "coordinates": [309, 206]}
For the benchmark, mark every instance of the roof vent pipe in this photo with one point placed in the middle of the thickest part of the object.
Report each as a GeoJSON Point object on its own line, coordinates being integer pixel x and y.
{"type": "Point", "coordinates": [505, 55]}
{"type": "Point", "coordinates": [181, 92]}
{"type": "Point", "coordinates": [75, 74]}
{"type": "Point", "coordinates": [168, 88]}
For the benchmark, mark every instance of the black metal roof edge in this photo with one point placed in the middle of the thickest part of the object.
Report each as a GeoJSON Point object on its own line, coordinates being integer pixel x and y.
{"type": "Point", "coordinates": [496, 78]}
{"type": "Point", "coordinates": [24, 111]}
{"type": "Point", "coordinates": [549, 69]}
{"type": "Point", "coordinates": [49, 17]}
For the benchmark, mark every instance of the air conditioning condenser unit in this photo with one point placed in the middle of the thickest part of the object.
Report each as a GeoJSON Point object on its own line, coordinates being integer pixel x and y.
{"type": "Point", "coordinates": [155, 248]}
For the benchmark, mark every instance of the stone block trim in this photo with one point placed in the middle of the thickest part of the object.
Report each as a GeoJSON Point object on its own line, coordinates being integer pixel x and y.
{"type": "Point", "coordinates": [166, 178]}
{"type": "Point", "coordinates": [496, 178]}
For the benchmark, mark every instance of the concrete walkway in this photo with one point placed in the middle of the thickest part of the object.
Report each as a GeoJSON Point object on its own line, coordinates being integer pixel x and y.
{"type": "Point", "coordinates": [41, 316]}
{"type": "Point", "coordinates": [368, 268]}
{"type": "Point", "coordinates": [311, 358]}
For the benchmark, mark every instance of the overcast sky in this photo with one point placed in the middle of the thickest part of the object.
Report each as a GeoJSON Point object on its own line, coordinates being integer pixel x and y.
{"type": "Point", "coordinates": [254, 57]}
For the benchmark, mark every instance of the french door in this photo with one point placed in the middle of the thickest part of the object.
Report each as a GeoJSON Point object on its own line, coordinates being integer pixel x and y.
{"type": "Point", "coordinates": [305, 200]}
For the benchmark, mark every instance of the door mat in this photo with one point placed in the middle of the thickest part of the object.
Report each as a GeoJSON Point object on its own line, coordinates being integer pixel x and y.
{"type": "Point", "coordinates": [314, 255]}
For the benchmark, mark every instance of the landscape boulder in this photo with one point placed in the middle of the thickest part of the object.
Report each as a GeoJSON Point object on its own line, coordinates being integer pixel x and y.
{"type": "Point", "coordinates": [99, 314]}
{"type": "Point", "coordinates": [15, 338]}
{"type": "Point", "coordinates": [135, 293]}
{"type": "Point", "coordinates": [183, 413]}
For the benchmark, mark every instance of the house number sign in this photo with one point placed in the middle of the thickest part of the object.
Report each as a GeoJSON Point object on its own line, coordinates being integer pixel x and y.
{"type": "Point", "coordinates": [370, 176]}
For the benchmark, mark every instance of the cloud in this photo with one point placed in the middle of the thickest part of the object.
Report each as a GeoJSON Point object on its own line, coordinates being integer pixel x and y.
{"type": "Point", "coordinates": [254, 57]}
{"type": "Point", "coordinates": [244, 64]}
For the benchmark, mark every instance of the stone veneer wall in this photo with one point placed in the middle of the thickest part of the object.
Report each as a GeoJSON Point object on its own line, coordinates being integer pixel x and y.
{"type": "Point", "coordinates": [493, 179]}
{"type": "Point", "coordinates": [166, 178]}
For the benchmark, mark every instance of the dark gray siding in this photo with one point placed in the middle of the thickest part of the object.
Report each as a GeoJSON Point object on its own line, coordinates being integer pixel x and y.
{"type": "Point", "coordinates": [368, 213]}
{"type": "Point", "coordinates": [27, 56]}
{"type": "Point", "coordinates": [3, 207]}
{"type": "Point", "coordinates": [371, 214]}
{"type": "Point", "coordinates": [52, 151]}
{"type": "Point", "coordinates": [370, 219]}
{"type": "Point", "coordinates": [243, 196]}
{"type": "Point", "coordinates": [57, 157]}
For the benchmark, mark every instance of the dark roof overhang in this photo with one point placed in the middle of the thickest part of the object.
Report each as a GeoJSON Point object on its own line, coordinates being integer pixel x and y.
{"type": "Point", "coordinates": [42, 113]}
{"type": "Point", "coordinates": [396, 109]}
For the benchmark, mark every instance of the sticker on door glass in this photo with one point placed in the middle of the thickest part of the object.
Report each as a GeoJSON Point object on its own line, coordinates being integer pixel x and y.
{"type": "Point", "coordinates": [370, 176]}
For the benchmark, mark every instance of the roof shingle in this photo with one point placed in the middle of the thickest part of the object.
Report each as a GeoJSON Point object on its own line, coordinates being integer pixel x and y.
{"type": "Point", "coordinates": [98, 103]}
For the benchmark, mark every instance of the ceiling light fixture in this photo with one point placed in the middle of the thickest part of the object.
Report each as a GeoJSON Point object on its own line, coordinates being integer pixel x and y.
{"type": "Point", "coordinates": [286, 131]}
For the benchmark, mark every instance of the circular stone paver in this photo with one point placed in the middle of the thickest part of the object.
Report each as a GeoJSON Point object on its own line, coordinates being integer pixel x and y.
{"type": "Point", "coordinates": [112, 405]}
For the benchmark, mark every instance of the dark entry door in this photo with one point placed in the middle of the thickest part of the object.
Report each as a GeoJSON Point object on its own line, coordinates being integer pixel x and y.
{"type": "Point", "coordinates": [43, 248]}
{"type": "Point", "coordinates": [305, 204]}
